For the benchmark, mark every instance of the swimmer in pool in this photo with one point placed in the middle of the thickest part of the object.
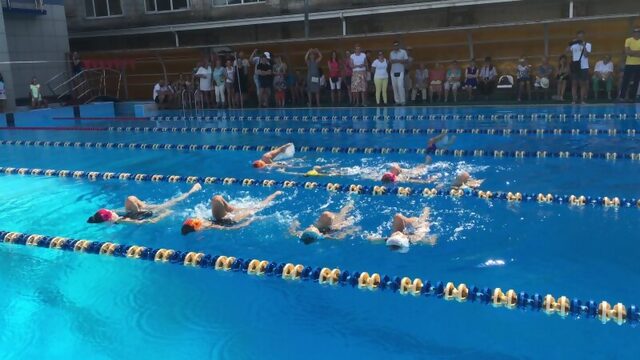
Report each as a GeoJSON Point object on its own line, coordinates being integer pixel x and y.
{"type": "Point", "coordinates": [412, 175]}
{"type": "Point", "coordinates": [334, 226]}
{"type": "Point", "coordinates": [433, 143]}
{"type": "Point", "coordinates": [465, 181]}
{"type": "Point", "coordinates": [137, 211]}
{"type": "Point", "coordinates": [318, 170]}
{"type": "Point", "coordinates": [226, 216]}
{"type": "Point", "coordinates": [407, 231]}
{"type": "Point", "coordinates": [270, 158]}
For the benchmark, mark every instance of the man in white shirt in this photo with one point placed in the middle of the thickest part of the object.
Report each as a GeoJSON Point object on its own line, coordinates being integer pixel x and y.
{"type": "Point", "coordinates": [398, 59]}
{"type": "Point", "coordinates": [580, 51]}
{"type": "Point", "coordinates": [603, 72]}
{"type": "Point", "coordinates": [204, 73]}
{"type": "Point", "coordinates": [161, 94]}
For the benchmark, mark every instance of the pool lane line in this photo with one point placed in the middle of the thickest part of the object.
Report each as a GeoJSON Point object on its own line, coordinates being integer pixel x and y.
{"type": "Point", "coordinates": [333, 277]}
{"type": "Point", "coordinates": [375, 131]}
{"type": "Point", "coordinates": [493, 153]}
{"type": "Point", "coordinates": [357, 189]}
{"type": "Point", "coordinates": [432, 117]}
{"type": "Point", "coordinates": [54, 128]}
{"type": "Point", "coordinates": [315, 118]}
{"type": "Point", "coordinates": [105, 118]}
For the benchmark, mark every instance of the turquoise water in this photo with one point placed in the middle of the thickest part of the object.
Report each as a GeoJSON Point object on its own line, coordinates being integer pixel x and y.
{"type": "Point", "coordinates": [64, 304]}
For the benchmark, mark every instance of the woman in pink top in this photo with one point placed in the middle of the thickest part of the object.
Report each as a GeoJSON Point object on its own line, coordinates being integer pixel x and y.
{"type": "Point", "coordinates": [437, 80]}
{"type": "Point", "coordinates": [334, 77]}
{"type": "Point", "coordinates": [347, 71]}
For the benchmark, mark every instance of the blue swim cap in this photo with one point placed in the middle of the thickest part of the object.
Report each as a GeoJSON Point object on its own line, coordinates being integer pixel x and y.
{"type": "Point", "coordinates": [310, 236]}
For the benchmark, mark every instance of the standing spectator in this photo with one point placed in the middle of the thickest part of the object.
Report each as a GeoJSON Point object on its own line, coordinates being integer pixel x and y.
{"type": "Point", "coordinates": [255, 58]}
{"type": "Point", "coordinates": [242, 84]}
{"type": "Point", "coordinates": [347, 72]}
{"type": "Point", "coordinates": [370, 85]}
{"type": "Point", "coordinates": [219, 78]}
{"type": "Point", "coordinates": [279, 81]}
{"type": "Point", "coordinates": [301, 85]}
{"type": "Point", "coordinates": [76, 64]}
{"type": "Point", "coordinates": [230, 84]}
{"type": "Point", "coordinates": [408, 84]}
{"type": "Point", "coordinates": [204, 73]}
{"type": "Point", "coordinates": [543, 76]}
{"type": "Point", "coordinates": [3, 94]}
{"type": "Point", "coordinates": [291, 85]}
{"type": "Point", "coordinates": [471, 78]}
{"type": "Point", "coordinates": [631, 66]}
{"type": "Point", "coordinates": [523, 78]}
{"type": "Point", "coordinates": [35, 94]}
{"type": "Point", "coordinates": [603, 72]}
{"type": "Point", "coordinates": [334, 77]}
{"type": "Point", "coordinates": [580, 51]}
{"type": "Point", "coordinates": [358, 78]}
{"type": "Point", "coordinates": [454, 74]}
{"type": "Point", "coordinates": [437, 80]}
{"type": "Point", "coordinates": [488, 76]}
{"type": "Point", "coordinates": [398, 59]}
{"type": "Point", "coordinates": [563, 76]}
{"type": "Point", "coordinates": [265, 79]}
{"type": "Point", "coordinates": [381, 77]}
{"type": "Point", "coordinates": [313, 58]}
{"type": "Point", "coordinates": [421, 76]}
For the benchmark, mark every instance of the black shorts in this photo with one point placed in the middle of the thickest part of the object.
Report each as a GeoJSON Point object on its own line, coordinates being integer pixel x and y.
{"type": "Point", "coordinates": [164, 101]}
{"type": "Point", "coordinates": [580, 74]}
{"type": "Point", "coordinates": [347, 80]}
{"type": "Point", "coordinates": [266, 84]}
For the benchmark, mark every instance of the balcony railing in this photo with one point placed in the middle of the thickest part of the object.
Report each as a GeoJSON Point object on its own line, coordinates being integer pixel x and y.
{"type": "Point", "coordinates": [25, 7]}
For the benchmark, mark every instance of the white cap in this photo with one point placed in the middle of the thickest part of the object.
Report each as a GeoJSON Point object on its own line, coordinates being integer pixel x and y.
{"type": "Point", "coordinates": [267, 54]}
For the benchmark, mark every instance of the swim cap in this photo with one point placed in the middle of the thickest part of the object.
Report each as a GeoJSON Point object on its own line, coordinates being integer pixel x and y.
{"type": "Point", "coordinates": [388, 178]}
{"type": "Point", "coordinates": [398, 241]}
{"type": "Point", "coordinates": [312, 172]}
{"type": "Point", "coordinates": [190, 225]}
{"type": "Point", "coordinates": [309, 236]}
{"type": "Point", "coordinates": [259, 164]}
{"type": "Point", "coordinates": [100, 216]}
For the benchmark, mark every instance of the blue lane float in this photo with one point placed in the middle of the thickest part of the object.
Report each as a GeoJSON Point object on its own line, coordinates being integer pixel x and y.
{"type": "Point", "coordinates": [433, 117]}
{"type": "Point", "coordinates": [494, 153]}
{"type": "Point", "coordinates": [375, 131]}
{"type": "Point", "coordinates": [333, 277]}
{"type": "Point", "coordinates": [356, 189]}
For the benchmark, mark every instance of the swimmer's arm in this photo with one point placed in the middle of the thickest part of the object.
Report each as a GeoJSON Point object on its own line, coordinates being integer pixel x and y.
{"type": "Point", "coordinates": [428, 240]}
{"type": "Point", "coordinates": [375, 238]}
{"type": "Point", "coordinates": [234, 227]}
{"type": "Point", "coordinates": [344, 233]}
{"type": "Point", "coordinates": [152, 220]}
{"type": "Point", "coordinates": [293, 228]}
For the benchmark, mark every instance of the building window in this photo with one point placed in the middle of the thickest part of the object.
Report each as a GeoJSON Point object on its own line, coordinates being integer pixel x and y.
{"type": "Point", "coordinates": [103, 8]}
{"type": "Point", "coordinates": [166, 5]}
{"type": "Point", "coordinates": [235, 2]}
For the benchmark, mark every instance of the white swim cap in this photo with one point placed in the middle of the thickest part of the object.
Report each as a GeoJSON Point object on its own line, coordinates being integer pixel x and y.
{"type": "Point", "coordinates": [399, 242]}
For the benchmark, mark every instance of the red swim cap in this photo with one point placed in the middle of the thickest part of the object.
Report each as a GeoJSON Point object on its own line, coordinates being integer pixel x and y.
{"type": "Point", "coordinates": [259, 164]}
{"type": "Point", "coordinates": [388, 178]}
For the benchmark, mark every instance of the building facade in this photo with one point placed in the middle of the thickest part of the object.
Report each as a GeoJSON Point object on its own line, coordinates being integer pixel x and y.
{"type": "Point", "coordinates": [33, 43]}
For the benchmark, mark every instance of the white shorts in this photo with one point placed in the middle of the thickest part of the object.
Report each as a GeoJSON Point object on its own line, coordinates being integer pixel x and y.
{"type": "Point", "coordinates": [452, 85]}
{"type": "Point", "coordinates": [335, 85]}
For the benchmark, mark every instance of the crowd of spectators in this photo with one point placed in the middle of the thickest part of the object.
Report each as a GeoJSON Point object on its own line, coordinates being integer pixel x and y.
{"type": "Point", "coordinates": [359, 78]}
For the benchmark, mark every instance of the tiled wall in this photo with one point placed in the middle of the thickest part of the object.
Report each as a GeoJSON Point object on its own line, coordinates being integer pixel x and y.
{"type": "Point", "coordinates": [37, 46]}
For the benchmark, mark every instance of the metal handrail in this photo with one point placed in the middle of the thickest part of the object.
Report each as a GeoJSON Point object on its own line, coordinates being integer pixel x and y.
{"type": "Point", "coordinates": [197, 94]}
{"type": "Point", "coordinates": [94, 80]}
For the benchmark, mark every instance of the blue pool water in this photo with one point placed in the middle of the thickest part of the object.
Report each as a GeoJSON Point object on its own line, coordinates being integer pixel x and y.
{"type": "Point", "coordinates": [61, 304]}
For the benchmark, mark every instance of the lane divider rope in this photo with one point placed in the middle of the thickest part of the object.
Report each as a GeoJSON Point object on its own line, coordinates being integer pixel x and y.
{"type": "Point", "coordinates": [512, 197]}
{"type": "Point", "coordinates": [332, 277]}
{"type": "Point", "coordinates": [471, 117]}
{"type": "Point", "coordinates": [494, 153]}
{"type": "Point", "coordinates": [377, 131]}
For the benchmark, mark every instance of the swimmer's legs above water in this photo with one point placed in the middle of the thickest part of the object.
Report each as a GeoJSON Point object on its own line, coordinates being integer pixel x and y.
{"type": "Point", "coordinates": [220, 208]}
{"type": "Point", "coordinates": [134, 205]}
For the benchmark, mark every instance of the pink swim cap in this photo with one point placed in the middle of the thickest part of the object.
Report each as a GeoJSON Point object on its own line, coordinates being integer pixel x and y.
{"type": "Point", "coordinates": [388, 178]}
{"type": "Point", "coordinates": [100, 216]}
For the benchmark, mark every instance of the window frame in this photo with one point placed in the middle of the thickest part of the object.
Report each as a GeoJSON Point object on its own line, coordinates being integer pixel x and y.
{"type": "Point", "coordinates": [151, 12]}
{"type": "Point", "coordinates": [243, 3]}
{"type": "Point", "coordinates": [94, 17]}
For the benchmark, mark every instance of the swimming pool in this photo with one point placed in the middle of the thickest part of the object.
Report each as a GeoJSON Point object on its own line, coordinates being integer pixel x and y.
{"type": "Point", "coordinates": [108, 307]}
